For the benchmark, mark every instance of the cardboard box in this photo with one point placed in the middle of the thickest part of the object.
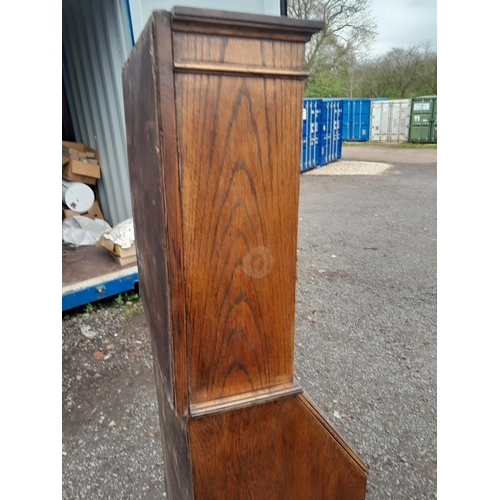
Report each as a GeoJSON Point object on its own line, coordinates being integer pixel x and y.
{"type": "Point", "coordinates": [76, 170]}
{"type": "Point", "coordinates": [124, 261]}
{"type": "Point", "coordinates": [105, 243]}
{"type": "Point", "coordinates": [75, 164]}
{"type": "Point", "coordinates": [124, 252]}
{"type": "Point", "coordinates": [79, 148]}
{"type": "Point", "coordinates": [94, 212]}
{"type": "Point", "coordinates": [123, 256]}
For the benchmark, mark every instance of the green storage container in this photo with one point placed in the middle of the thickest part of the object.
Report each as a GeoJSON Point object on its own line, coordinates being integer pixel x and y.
{"type": "Point", "coordinates": [423, 123]}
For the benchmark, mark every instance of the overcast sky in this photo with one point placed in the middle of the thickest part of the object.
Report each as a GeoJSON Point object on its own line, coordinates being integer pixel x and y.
{"type": "Point", "coordinates": [404, 23]}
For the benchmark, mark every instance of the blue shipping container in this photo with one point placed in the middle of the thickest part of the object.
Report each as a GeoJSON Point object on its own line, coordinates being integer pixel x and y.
{"type": "Point", "coordinates": [331, 131]}
{"type": "Point", "coordinates": [311, 125]}
{"type": "Point", "coordinates": [356, 119]}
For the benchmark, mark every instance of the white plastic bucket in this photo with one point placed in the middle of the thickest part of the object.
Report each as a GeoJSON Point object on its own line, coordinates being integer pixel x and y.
{"type": "Point", "coordinates": [77, 196]}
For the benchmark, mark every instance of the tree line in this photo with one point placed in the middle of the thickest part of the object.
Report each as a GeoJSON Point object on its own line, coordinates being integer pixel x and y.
{"type": "Point", "coordinates": [337, 61]}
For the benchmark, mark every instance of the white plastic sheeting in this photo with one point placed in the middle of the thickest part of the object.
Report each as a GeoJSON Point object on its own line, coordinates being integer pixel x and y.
{"type": "Point", "coordinates": [81, 231]}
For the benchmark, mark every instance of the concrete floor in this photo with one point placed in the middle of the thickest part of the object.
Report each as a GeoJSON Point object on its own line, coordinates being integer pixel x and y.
{"type": "Point", "coordinates": [365, 341]}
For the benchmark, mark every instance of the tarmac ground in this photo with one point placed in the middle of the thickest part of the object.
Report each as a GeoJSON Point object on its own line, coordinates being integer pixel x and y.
{"type": "Point", "coordinates": [365, 339]}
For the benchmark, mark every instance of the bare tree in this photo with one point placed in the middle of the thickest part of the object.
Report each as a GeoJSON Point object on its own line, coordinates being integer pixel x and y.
{"type": "Point", "coordinates": [349, 31]}
{"type": "Point", "coordinates": [408, 71]}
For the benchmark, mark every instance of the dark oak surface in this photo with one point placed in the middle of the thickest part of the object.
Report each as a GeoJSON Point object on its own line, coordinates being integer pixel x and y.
{"type": "Point", "coordinates": [238, 141]}
{"type": "Point", "coordinates": [273, 451]}
{"type": "Point", "coordinates": [171, 174]}
{"type": "Point", "coordinates": [213, 106]}
{"type": "Point", "coordinates": [148, 187]}
{"type": "Point", "coordinates": [241, 24]}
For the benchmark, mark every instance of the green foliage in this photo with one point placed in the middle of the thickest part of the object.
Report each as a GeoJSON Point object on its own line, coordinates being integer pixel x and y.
{"type": "Point", "coordinates": [323, 84]}
{"type": "Point", "coordinates": [88, 308]}
{"type": "Point", "coordinates": [337, 56]}
{"type": "Point", "coordinates": [403, 72]}
{"type": "Point", "coordinates": [132, 310]}
{"type": "Point", "coordinates": [119, 300]}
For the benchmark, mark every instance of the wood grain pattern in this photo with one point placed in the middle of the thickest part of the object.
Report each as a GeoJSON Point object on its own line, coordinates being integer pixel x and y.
{"type": "Point", "coordinates": [150, 221]}
{"type": "Point", "coordinates": [243, 400]}
{"type": "Point", "coordinates": [238, 149]}
{"type": "Point", "coordinates": [218, 22]}
{"type": "Point", "coordinates": [272, 451]}
{"type": "Point", "coordinates": [172, 204]}
{"type": "Point", "coordinates": [238, 70]}
{"type": "Point", "coordinates": [145, 171]}
{"type": "Point", "coordinates": [214, 152]}
{"type": "Point", "coordinates": [274, 55]}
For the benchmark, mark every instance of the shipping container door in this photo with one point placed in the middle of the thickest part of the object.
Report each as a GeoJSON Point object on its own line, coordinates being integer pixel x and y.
{"type": "Point", "coordinates": [331, 131]}
{"type": "Point", "coordinates": [380, 120]}
{"type": "Point", "coordinates": [376, 122]}
{"type": "Point", "coordinates": [423, 118]}
{"type": "Point", "coordinates": [356, 115]}
{"type": "Point", "coordinates": [434, 121]}
{"type": "Point", "coordinates": [311, 116]}
{"type": "Point", "coordinates": [400, 120]}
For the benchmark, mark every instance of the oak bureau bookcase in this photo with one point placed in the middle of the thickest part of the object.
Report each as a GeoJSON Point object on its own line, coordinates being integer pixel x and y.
{"type": "Point", "coordinates": [213, 106]}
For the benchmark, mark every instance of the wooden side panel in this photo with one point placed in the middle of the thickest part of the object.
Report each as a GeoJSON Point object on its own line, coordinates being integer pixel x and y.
{"type": "Point", "coordinates": [190, 47]}
{"type": "Point", "coordinates": [177, 462]}
{"type": "Point", "coordinates": [278, 450]}
{"type": "Point", "coordinates": [221, 23]}
{"type": "Point", "coordinates": [172, 199]}
{"type": "Point", "coordinates": [239, 152]}
{"type": "Point", "coordinates": [148, 200]}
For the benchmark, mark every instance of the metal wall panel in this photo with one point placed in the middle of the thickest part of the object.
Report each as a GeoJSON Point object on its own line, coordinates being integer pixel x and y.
{"type": "Point", "coordinates": [140, 10]}
{"type": "Point", "coordinates": [97, 37]}
{"type": "Point", "coordinates": [96, 42]}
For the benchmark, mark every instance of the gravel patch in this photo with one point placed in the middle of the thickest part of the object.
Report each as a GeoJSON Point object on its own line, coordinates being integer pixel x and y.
{"type": "Point", "coordinates": [111, 436]}
{"type": "Point", "coordinates": [365, 345]}
{"type": "Point", "coordinates": [342, 167]}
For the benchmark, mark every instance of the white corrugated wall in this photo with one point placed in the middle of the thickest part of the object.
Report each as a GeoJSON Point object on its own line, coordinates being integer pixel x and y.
{"type": "Point", "coordinates": [97, 38]}
{"type": "Point", "coordinates": [96, 42]}
{"type": "Point", "coordinates": [140, 10]}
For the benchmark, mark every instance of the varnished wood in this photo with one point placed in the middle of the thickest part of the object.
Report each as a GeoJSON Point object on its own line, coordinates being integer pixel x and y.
{"type": "Point", "coordinates": [218, 22]}
{"type": "Point", "coordinates": [170, 172]}
{"type": "Point", "coordinates": [236, 55]}
{"type": "Point", "coordinates": [148, 189]}
{"type": "Point", "coordinates": [214, 111]}
{"type": "Point", "coordinates": [149, 213]}
{"type": "Point", "coordinates": [239, 229]}
{"type": "Point", "coordinates": [244, 400]}
{"type": "Point", "coordinates": [238, 70]}
{"type": "Point", "coordinates": [273, 451]}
